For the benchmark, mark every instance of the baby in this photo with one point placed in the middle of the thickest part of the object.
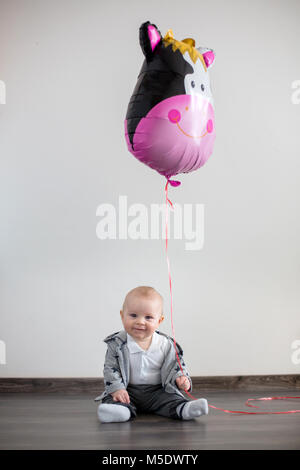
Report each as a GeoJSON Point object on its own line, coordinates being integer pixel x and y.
{"type": "Point", "coordinates": [141, 372]}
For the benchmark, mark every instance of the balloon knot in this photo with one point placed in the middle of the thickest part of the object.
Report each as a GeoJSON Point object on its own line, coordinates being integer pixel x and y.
{"type": "Point", "coordinates": [174, 183]}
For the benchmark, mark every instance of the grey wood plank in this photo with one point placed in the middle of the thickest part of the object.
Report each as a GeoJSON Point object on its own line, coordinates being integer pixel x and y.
{"type": "Point", "coordinates": [60, 421]}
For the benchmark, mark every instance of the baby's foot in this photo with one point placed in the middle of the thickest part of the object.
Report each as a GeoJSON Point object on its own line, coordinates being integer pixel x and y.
{"type": "Point", "coordinates": [110, 413]}
{"type": "Point", "coordinates": [193, 409]}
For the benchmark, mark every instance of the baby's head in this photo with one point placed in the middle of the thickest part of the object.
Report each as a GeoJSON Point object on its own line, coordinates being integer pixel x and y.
{"type": "Point", "coordinates": [142, 312]}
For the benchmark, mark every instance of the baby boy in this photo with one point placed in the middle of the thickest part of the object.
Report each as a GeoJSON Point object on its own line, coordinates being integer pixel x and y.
{"type": "Point", "coordinates": [141, 372]}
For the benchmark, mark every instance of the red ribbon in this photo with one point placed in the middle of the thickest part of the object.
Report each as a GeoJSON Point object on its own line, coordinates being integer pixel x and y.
{"type": "Point", "coordinates": [211, 406]}
{"type": "Point", "coordinates": [170, 280]}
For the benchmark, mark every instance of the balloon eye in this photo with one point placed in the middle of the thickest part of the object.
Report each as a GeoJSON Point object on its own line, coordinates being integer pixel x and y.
{"type": "Point", "coordinates": [202, 87]}
{"type": "Point", "coordinates": [193, 84]}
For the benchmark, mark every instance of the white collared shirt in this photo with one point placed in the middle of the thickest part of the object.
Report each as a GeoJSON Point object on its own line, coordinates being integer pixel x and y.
{"type": "Point", "coordinates": [145, 366]}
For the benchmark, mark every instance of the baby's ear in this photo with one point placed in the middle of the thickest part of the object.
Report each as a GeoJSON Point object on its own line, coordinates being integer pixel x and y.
{"type": "Point", "coordinates": [150, 37]}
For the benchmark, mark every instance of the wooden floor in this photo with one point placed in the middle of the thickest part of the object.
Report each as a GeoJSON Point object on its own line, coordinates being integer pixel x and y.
{"type": "Point", "coordinates": [56, 421]}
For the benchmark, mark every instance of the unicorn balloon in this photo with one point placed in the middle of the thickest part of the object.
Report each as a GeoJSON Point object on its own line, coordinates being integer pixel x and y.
{"type": "Point", "coordinates": [169, 124]}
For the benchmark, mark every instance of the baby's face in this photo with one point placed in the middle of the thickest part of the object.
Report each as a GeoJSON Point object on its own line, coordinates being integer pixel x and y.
{"type": "Point", "coordinates": [142, 316]}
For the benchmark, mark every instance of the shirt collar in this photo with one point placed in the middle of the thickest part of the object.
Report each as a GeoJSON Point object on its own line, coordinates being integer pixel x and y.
{"type": "Point", "coordinates": [135, 348]}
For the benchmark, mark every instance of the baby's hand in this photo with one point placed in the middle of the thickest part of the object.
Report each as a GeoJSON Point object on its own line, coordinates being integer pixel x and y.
{"type": "Point", "coordinates": [121, 395]}
{"type": "Point", "coordinates": [183, 383]}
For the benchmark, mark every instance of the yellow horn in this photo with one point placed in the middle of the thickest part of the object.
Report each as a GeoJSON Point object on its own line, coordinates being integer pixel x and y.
{"type": "Point", "coordinates": [169, 35]}
{"type": "Point", "coordinates": [189, 41]}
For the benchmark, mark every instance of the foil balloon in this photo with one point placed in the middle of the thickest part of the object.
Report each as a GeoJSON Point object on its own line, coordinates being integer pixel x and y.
{"type": "Point", "coordinates": [170, 124]}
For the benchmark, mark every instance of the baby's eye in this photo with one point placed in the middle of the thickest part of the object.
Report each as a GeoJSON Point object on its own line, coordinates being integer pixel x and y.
{"type": "Point", "coordinates": [132, 314]}
{"type": "Point", "coordinates": [148, 317]}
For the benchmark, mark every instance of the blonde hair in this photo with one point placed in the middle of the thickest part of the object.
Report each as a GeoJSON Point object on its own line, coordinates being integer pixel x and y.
{"type": "Point", "coordinates": [187, 44]}
{"type": "Point", "coordinates": [143, 291]}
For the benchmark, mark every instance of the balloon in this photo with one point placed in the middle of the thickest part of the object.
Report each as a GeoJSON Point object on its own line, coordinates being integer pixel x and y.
{"type": "Point", "coordinates": [170, 124]}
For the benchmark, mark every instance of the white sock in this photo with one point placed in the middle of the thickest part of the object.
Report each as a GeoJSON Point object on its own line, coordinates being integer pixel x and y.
{"type": "Point", "coordinates": [193, 409]}
{"type": "Point", "coordinates": [109, 413]}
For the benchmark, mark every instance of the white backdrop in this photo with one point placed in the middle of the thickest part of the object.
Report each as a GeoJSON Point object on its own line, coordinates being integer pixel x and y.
{"type": "Point", "coordinates": [69, 68]}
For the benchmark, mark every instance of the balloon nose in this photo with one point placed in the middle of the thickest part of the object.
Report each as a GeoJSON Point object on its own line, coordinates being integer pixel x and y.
{"type": "Point", "coordinates": [174, 115]}
{"type": "Point", "coordinates": [209, 126]}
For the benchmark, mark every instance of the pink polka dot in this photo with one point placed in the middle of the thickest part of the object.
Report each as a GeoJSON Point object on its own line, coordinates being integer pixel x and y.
{"type": "Point", "coordinates": [209, 126]}
{"type": "Point", "coordinates": [174, 115]}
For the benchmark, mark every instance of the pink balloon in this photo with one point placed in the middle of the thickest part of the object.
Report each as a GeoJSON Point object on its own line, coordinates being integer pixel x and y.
{"type": "Point", "coordinates": [169, 124]}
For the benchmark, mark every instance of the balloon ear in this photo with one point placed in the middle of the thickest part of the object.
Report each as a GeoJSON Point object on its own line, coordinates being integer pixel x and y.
{"type": "Point", "coordinates": [150, 37]}
{"type": "Point", "coordinates": [208, 56]}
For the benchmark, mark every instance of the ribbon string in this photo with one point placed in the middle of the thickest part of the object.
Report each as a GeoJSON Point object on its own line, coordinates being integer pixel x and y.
{"type": "Point", "coordinates": [178, 360]}
{"type": "Point", "coordinates": [169, 271]}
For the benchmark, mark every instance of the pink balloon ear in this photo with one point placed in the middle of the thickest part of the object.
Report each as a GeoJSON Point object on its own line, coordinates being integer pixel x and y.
{"type": "Point", "coordinates": [209, 58]}
{"type": "Point", "coordinates": [154, 36]}
{"type": "Point", "coordinates": [150, 37]}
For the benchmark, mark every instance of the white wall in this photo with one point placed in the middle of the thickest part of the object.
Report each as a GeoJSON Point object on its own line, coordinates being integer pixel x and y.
{"type": "Point", "coordinates": [69, 68]}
